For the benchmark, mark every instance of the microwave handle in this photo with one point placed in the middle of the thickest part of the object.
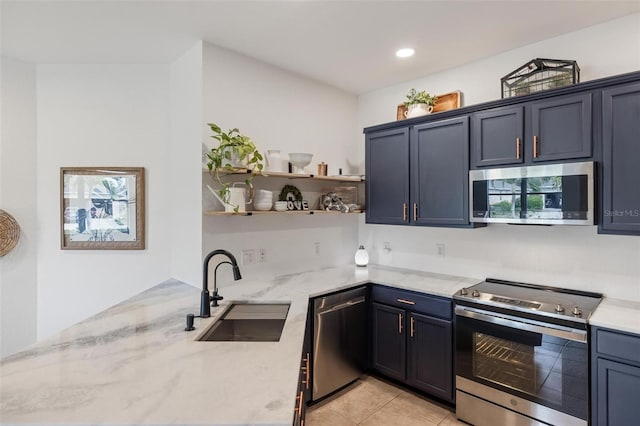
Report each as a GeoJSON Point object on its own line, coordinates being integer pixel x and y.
{"type": "Point", "coordinates": [522, 324]}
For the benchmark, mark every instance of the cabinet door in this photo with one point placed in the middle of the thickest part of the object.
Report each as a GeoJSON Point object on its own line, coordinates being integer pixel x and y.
{"type": "Point", "coordinates": [389, 347]}
{"type": "Point", "coordinates": [440, 173]}
{"type": "Point", "coordinates": [620, 212]}
{"type": "Point", "coordinates": [617, 396]}
{"type": "Point", "coordinates": [430, 355]}
{"type": "Point", "coordinates": [560, 128]}
{"type": "Point", "coordinates": [387, 176]}
{"type": "Point", "coordinates": [497, 136]}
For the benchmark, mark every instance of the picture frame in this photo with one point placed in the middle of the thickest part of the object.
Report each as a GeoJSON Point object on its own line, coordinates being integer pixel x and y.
{"type": "Point", "coordinates": [102, 208]}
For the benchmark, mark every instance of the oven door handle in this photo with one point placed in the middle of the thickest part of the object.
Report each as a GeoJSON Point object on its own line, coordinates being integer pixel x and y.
{"type": "Point", "coordinates": [568, 333]}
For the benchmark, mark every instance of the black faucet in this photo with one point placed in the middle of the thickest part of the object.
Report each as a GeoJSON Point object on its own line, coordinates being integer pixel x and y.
{"type": "Point", "coordinates": [207, 301]}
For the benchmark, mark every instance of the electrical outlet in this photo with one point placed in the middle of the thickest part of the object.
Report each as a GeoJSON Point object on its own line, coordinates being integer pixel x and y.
{"type": "Point", "coordinates": [248, 257]}
{"type": "Point", "coordinates": [316, 246]}
{"type": "Point", "coordinates": [386, 246]}
{"type": "Point", "coordinates": [440, 249]}
{"type": "Point", "coordinates": [262, 255]}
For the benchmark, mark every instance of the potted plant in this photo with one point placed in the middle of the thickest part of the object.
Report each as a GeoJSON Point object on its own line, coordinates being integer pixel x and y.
{"type": "Point", "coordinates": [235, 151]}
{"type": "Point", "coordinates": [419, 103]}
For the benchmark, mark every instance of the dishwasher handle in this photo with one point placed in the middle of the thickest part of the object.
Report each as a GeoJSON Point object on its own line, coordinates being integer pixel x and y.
{"type": "Point", "coordinates": [342, 306]}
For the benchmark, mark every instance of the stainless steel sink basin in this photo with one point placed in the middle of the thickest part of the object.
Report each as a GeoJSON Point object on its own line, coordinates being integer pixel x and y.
{"type": "Point", "coordinates": [249, 322]}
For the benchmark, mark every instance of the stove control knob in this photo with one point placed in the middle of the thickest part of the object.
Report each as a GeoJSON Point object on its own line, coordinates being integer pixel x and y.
{"type": "Point", "coordinates": [577, 311]}
{"type": "Point", "coordinates": [559, 309]}
{"type": "Point", "coordinates": [475, 293]}
{"type": "Point", "coordinates": [463, 292]}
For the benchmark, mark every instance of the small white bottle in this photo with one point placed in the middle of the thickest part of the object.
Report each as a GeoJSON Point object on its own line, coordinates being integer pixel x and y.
{"type": "Point", "coordinates": [361, 257]}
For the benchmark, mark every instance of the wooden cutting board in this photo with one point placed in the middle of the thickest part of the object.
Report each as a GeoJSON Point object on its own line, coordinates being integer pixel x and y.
{"type": "Point", "coordinates": [444, 103]}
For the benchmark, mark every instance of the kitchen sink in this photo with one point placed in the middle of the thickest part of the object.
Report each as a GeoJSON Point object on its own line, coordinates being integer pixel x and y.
{"type": "Point", "coordinates": [249, 322]}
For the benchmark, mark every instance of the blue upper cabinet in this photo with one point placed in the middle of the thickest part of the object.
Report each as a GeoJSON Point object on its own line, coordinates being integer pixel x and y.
{"type": "Point", "coordinates": [440, 170]}
{"type": "Point", "coordinates": [387, 176]}
{"type": "Point", "coordinates": [417, 169]}
{"type": "Point", "coordinates": [620, 172]}
{"type": "Point", "coordinates": [553, 129]}
{"type": "Point", "coordinates": [560, 128]}
{"type": "Point", "coordinates": [419, 175]}
{"type": "Point", "coordinates": [497, 136]}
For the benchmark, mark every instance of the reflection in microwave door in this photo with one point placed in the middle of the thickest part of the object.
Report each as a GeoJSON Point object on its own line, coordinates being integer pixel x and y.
{"type": "Point", "coordinates": [553, 201]}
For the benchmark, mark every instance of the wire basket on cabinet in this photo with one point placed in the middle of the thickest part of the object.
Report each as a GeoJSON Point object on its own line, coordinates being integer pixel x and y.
{"type": "Point", "coordinates": [540, 74]}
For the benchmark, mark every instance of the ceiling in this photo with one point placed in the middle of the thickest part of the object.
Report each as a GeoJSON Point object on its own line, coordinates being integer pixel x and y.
{"type": "Point", "coordinates": [347, 44]}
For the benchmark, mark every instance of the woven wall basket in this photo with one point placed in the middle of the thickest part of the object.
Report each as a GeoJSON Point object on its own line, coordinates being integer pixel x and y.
{"type": "Point", "coordinates": [9, 232]}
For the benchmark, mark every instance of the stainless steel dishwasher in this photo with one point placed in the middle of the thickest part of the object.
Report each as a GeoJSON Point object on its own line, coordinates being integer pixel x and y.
{"type": "Point", "coordinates": [339, 340]}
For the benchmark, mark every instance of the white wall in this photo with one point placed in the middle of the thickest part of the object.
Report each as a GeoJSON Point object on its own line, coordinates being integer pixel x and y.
{"type": "Point", "coordinates": [602, 50]}
{"type": "Point", "coordinates": [100, 115]}
{"type": "Point", "coordinates": [564, 256]}
{"type": "Point", "coordinates": [18, 279]}
{"type": "Point", "coordinates": [280, 110]}
{"type": "Point", "coordinates": [185, 163]}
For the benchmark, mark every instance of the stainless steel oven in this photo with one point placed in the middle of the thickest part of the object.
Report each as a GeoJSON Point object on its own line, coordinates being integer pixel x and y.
{"type": "Point", "coordinates": [522, 354]}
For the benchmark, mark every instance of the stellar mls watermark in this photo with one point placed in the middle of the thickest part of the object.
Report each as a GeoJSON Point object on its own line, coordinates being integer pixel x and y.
{"type": "Point", "coordinates": [622, 213]}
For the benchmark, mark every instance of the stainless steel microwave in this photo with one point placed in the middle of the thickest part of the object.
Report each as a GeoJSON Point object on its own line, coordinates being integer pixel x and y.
{"type": "Point", "coordinates": [553, 194]}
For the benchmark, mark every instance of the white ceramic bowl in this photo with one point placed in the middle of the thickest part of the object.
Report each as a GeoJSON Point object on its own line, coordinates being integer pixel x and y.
{"type": "Point", "coordinates": [263, 205]}
{"type": "Point", "coordinates": [260, 193]}
{"type": "Point", "coordinates": [281, 206]}
{"type": "Point", "coordinates": [300, 160]}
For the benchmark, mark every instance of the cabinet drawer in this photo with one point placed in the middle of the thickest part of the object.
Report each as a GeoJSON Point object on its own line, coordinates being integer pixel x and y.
{"type": "Point", "coordinates": [417, 302]}
{"type": "Point", "coordinates": [623, 346]}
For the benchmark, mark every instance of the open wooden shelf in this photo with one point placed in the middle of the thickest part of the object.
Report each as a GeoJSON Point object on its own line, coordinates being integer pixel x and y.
{"type": "Point", "coordinates": [273, 212]}
{"type": "Point", "coordinates": [338, 178]}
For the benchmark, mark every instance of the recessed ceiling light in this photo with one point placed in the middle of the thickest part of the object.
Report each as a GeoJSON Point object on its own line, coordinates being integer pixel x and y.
{"type": "Point", "coordinates": [405, 53]}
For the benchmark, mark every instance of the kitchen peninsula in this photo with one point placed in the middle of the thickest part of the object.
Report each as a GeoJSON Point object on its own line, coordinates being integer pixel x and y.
{"type": "Point", "coordinates": [134, 363]}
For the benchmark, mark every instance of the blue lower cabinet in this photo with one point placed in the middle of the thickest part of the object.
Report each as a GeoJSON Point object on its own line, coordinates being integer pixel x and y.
{"type": "Point", "coordinates": [430, 355]}
{"type": "Point", "coordinates": [615, 378]}
{"type": "Point", "coordinates": [388, 343]}
{"type": "Point", "coordinates": [412, 347]}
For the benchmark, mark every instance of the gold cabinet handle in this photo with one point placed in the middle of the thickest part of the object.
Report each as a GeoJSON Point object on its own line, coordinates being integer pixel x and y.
{"type": "Point", "coordinates": [399, 323]}
{"type": "Point", "coordinates": [517, 148]}
{"type": "Point", "coordinates": [298, 409]}
{"type": "Point", "coordinates": [535, 147]}
{"type": "Point", "coordinates": [415, 212]}
{"type": "Point", "coordinates": [412, 329]}
{"type": "Point", "coordinates": [408, 302]}
{"type": "Point", "coordinates": [307, 371]}
{"type": "Point", "coordinates": [405, 209]}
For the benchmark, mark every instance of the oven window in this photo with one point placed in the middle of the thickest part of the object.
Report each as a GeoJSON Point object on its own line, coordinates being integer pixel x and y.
{"type": "Point", "coordinates": [544, 369]}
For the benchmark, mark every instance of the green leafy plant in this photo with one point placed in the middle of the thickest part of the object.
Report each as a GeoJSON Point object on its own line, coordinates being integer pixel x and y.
{"type": "Point", "coordinates": [414, 97]}
{"type": "Point", "coordinates": [233, 149]}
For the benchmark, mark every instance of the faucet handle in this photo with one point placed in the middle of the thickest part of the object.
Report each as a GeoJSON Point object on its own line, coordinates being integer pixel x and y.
{"type": "Point", "coordinates": [215, 298]}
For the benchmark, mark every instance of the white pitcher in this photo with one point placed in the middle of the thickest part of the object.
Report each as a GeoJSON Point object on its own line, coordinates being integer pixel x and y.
{"type": "Point", "coordinates": [235, 198]}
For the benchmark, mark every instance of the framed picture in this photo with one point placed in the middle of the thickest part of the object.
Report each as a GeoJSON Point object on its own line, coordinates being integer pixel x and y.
{"type": "Point", "coordinates": [102, 208]}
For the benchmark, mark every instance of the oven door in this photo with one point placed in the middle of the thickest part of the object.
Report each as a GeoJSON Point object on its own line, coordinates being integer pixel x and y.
{"type": "Point", "coordinates": [500, 356]}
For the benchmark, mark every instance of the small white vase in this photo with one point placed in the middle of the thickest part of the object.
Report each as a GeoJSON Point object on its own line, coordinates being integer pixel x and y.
{"type": "Point", "coordinates": [416, 110]}
{"type": "Point", "coordinates": [361, 257]}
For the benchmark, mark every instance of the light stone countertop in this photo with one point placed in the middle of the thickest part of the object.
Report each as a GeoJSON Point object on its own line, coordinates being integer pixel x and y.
{"type": "Point", "coordinates": [622, 315]}
{"type": "Point", "coordinates": [133, 364]}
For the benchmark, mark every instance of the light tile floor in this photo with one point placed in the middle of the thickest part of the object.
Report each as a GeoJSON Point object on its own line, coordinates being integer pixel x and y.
{"type": "Point", "coordinates": [374, 402]}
